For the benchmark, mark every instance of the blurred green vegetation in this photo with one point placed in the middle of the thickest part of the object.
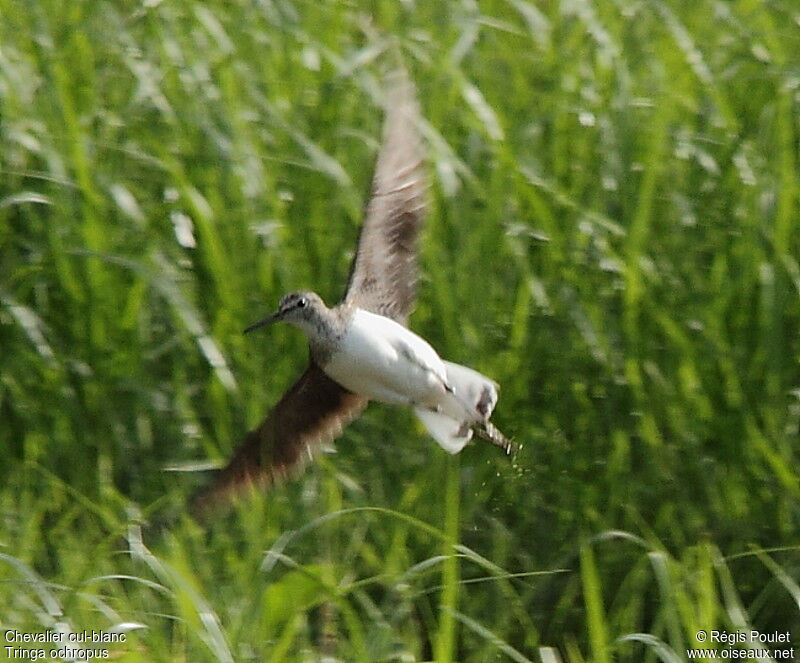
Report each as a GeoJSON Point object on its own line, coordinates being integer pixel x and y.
{"type": "Point", "coordinates": [612, 236]}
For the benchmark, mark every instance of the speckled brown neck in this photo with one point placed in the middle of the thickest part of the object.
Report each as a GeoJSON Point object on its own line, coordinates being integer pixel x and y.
{"type": "Point", "coordinates": [329, 327]}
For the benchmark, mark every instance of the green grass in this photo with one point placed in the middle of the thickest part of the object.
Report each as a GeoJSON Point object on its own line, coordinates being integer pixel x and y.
{"type": "Point", "coordinates": [612, 236]}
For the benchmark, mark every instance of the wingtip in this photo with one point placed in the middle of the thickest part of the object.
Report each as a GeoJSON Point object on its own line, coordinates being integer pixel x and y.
{"type": "Point", "coordinates": [400, 95]}
{"type": "Point", "coordinates": [205, 505]}
{"type": "Point", "coordinates": [213, 503]}
{"type": "Point", "coordinates": [218, 497]}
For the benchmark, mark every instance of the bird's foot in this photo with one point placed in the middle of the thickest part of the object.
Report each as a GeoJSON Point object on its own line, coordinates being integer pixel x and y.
{"type": "Point", "coordinates": [489, 432]}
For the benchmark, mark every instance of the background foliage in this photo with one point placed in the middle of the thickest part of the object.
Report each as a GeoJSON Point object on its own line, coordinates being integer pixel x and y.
{"type": "Point", "coordinates": [612, 236]}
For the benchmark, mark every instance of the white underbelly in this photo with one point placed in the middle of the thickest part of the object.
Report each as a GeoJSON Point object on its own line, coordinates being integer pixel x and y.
{"type": "Point", "coordinates": [384, 361]}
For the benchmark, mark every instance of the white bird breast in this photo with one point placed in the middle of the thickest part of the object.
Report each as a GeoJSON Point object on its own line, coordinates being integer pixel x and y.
{"type": "Point", "coordinates": [382, 360]}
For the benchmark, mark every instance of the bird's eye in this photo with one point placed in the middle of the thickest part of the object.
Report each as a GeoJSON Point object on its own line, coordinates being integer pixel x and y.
{"type": "Point", "coordinates": [301, 303]}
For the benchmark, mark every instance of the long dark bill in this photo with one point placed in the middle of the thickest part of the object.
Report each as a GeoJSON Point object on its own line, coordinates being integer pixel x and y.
{"type": "Point", "coordinates": [275, 317]}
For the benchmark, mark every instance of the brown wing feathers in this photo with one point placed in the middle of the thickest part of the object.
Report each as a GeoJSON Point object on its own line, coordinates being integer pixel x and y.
{"type": "Point", "coordinates": [384, 272]}
{"type": "Point", "coordinates": [312, 412]}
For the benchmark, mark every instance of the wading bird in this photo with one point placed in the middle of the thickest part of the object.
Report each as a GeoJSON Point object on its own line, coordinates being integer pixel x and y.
{"type": "Point", "coordinates": [361, 350]}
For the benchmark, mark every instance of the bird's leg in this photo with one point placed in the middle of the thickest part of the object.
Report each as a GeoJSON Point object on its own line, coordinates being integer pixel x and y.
{"type": "Point", "coordinates": [489, 432]}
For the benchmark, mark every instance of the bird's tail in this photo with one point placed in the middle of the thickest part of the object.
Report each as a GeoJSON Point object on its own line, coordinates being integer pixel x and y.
{"type": "Point", "coordinates": [464, 409]}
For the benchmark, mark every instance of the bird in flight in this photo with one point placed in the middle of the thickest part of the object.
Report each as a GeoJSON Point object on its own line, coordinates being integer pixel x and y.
{"type": "Point", "coordinates": [360, 349]}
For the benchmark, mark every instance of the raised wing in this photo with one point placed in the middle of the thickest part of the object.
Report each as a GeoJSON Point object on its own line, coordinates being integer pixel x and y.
{"type": "Point", "coordinates": [312, 412]}
{"type": "Point", "coordinates": [383, 276]}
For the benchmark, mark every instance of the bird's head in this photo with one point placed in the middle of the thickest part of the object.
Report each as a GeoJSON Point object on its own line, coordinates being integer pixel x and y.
{"type": "Point", "coordinates": [298, 308]}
